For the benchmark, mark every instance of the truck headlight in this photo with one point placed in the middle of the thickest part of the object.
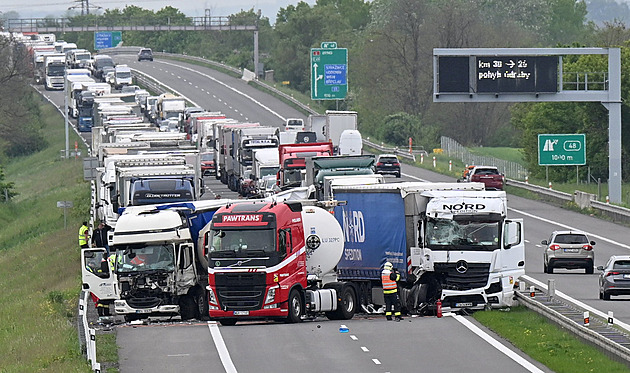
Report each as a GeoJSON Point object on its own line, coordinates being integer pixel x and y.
{"type": "Point", "coordinates": [211, 297]}
{"type": "Point", "coordinates": [271, 295]}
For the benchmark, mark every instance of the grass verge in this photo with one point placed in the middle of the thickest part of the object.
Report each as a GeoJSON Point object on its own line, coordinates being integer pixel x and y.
{"type": "Point", "coordinates": [545, 342]}
{"type": "Point", "coordinates": [39, 259]}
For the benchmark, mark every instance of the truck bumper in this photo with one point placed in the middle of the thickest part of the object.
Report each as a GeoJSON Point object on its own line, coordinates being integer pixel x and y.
{"type": "Point", "coordinates": [121, 307]}
{"type": "Point", "coordinates": [473, 299]}
{"type": "Point", "coordinates": [255, 314]}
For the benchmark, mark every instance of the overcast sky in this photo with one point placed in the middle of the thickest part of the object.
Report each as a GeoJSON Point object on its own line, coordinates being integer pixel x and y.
{"type": "Point", "coordinates": [192, 8]}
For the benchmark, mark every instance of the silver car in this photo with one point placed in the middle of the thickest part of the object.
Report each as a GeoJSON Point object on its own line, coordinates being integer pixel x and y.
{"type": "Point", "coordinates": [568, 249]}
{"type": "Point", "coordinates": [614, 278]}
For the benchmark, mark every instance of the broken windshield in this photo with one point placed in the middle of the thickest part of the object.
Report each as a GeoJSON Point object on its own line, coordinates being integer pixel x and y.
{"type": "Point", "coordinates": [141, 258]}
{"type": "Point", "coordinates": [446, 234]}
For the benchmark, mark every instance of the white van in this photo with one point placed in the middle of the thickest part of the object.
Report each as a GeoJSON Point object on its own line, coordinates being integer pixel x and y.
{"type": "Point", "coordinates": [350, 143]}
{"type": "Point", "coordinates": [122, 76]}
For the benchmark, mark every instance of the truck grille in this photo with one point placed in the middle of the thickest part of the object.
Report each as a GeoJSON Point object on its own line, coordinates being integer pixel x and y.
{"type": "Point", "coordinates": [476, 276]}
{"type": "Point", "coordinates": [240, 291]}
{"type": "Point", "coordinates": [146, 302]}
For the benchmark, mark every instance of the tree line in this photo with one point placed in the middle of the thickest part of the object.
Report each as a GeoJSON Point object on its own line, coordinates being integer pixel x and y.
{"type": "Point", "coordinates": [390, 46]}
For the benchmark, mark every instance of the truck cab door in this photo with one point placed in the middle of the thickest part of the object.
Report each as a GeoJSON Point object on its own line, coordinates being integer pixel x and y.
{"type": "Point", "coordinates": [186, 268]}
{"type": "Point", "coordinates": [513, 248]}
{"type": "Point", "coordinates": [96, 275]}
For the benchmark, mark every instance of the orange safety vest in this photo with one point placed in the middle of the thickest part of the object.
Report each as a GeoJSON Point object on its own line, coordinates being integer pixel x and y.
{"type": "Point", "coordinates": [389, 285]}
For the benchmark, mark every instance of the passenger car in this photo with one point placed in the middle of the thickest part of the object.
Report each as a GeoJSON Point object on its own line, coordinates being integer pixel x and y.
{"type": "Point", "coordinates": [489, 175]}
{"type": "Point", "coordinates": [388, 164]}
{"type": "Point", "coordinates": [568, 249]}
{"type": "Point", "coordinates": [614, 278]}
{"type": "Point", "coordinates": [145, 54]}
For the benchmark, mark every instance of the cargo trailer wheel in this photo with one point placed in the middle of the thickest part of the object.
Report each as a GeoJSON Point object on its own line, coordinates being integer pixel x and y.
{"type": "Point", "coordinates": [295, 307]}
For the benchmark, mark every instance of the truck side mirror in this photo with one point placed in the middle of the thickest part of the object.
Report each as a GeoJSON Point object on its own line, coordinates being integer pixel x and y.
{"type": "Point", "coordinates": [512, 234]}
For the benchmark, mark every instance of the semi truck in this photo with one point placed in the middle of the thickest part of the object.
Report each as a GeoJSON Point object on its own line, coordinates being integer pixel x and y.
{"type": "Point", "coordinates": [265, 167]}
{"type": "Point", "coordinates": [292, 161]}
{"type": "Point", "coordinates": [157, 268]}
{"type": "Point", "coordinates": [245, 141]}
{"type": "Point", "coordinates": [55, 69]}
{"type": "Point", "coordinates": [451, 242]}
{"type": "Point", "coordinates": [170, 106]}
{"type": "Point", "coordinates": [330, 126]}
{"type": "Point", "coordinates": [271, 260]}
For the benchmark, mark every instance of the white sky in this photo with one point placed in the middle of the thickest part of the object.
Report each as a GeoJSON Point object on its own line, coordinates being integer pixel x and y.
{"type": "Point", "coordinates": [192, 8]}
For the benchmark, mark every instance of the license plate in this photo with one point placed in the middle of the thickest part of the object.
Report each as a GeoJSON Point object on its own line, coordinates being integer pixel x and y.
{"type": "Point", "coordinates": [571, 250]}
{"type": "Point", "coordinates": [464, 304]}
{"type": "Point", "coordinates": [241, 313]}
{"type": "Point", "coordinates": [387, 164]}
{"type": "Point", "coordinates": [143, 311]}
{"type": "Point", "coordinates": [626, 276]}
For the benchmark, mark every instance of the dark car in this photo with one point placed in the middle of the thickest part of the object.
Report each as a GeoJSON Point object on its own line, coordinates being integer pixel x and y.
{"type": "Point", "coordinates": [207, 164]}
{"type": "Point", "coordinates": [615, 277]}
{"type": "Point", "coordinates": [568, 249]}
{"type": "Point", "coordinates": [145, 54]}
{"type": "Point", "coordinates": [388, 164]}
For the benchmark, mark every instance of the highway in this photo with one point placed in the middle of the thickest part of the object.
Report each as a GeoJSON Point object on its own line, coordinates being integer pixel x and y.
{"type": "Point", "coordinates": [372, 344]}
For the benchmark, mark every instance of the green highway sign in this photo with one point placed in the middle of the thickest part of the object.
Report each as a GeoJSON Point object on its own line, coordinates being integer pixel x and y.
{"type": "Point", "coordinates": [329, 72]}
{"type": "Point", "coordinates": [562, 150]}
{"type": "Point", "coordinates": [329, 45]}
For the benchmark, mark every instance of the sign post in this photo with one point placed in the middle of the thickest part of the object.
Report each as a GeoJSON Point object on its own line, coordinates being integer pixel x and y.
{"type": "Point", "coordinates": [329, 72]}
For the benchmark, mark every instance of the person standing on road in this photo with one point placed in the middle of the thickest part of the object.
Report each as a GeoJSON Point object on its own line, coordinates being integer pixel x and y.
{"type": "Point", "coordinates": [389, 277]}
{"type": "Point", "coordinates": [84, 235]}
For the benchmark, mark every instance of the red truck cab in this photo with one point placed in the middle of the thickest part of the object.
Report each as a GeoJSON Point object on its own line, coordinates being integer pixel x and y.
{"type": "Point", "coordinates": [292, 160]}
{"type": "Point", "coordinates": [256, 261]}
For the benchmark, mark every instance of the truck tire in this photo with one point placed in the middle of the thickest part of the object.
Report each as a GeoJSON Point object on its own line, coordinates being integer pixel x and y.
{"type": "Point", "coordinates": [187, 307]}
{"type": "Point", "coordinates": [346, 303]}
{"type": "Point", "coordinates": [227, 322]}
{"type": "Point", "coordinates": [296, 307]}
{"type": "Point", "coordinates": [201, 299]}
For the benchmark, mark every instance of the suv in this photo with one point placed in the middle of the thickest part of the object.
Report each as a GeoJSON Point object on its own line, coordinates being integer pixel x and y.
{"type": "Point", "coordinates": [145, 54]}
{"type": "Point", "coordinates": [568, 249]}
{"type": "Point", "coordinates": [615, 277]}
{"type": "Point", "coordinates": [489, 175]}
{"type": "Point", "coordinates": [388, 164]}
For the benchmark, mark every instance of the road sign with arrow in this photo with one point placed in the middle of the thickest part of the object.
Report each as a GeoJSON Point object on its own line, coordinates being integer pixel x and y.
{"type": "Point", "coordinates": [329, 72]}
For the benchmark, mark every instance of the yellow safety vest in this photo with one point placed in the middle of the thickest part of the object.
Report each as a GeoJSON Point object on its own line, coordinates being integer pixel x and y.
{"type": "Point", "coordinates": [82, 240]}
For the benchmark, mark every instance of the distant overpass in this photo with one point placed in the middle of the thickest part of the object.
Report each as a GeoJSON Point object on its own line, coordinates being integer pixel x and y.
{"type": "Point", "coordinates": [47, 25]}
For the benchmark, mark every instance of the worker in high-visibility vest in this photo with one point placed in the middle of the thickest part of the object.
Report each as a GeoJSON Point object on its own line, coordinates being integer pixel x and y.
{"type": "Point", "coordinates": [389, 277]}
{"type": "Point", "coordinates": [84, 235]}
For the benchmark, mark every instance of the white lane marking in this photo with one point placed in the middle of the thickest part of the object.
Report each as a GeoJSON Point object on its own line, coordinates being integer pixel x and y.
{"type": "Point", "coordinates": [224, 354]}
{"type": "Point", "coordinates": [354, 338]}
{"type": "Point", "coordinates": [172, 89]}
{"type": "Point", "coordinates": [231, 88]}
{"type": "Point", "coordinates": [568, 227]}
{"type": "Point", "coordinates": [365, 349]}
{"type": "Point", "coordinates": [376, 361]}
{"type": "Point", "coordinates": [585, 306]}
{"type": "Point", "coordinates": [496, 344]}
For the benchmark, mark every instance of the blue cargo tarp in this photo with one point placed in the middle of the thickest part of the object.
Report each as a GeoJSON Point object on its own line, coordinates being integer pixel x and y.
{"type": "Point", "coordinates": [374, 231]}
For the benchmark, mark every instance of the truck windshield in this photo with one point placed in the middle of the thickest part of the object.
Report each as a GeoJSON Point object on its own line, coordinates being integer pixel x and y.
{"type": "Point", "coordinates": [141, 258]}
{"type": "Point", "coordinates": [123, 75]}
{"type": "Point", "coordinates": [253, 242]}
{"type": "Point", "coordinates": [56, 70]}
{"type": "Point", "coordinates": [150, 191]}
{"type": "Point", "coordinates": [268, 171]}
{"type": "Point", "coordinates": [85, 111]}
{"type": "Point", "coordinates": [446, 234]}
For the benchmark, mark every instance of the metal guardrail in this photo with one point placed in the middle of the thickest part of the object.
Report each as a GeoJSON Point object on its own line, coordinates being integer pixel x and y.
{"type": "Point", "coordinates": [87, 335]}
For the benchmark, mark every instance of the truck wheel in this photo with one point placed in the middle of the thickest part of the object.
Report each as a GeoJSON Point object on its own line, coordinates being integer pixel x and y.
{"type": "Point", "coordinates": [295, 307]}
{"type": "Point", "coordinates": [201, 298]}
{"type": "Point", "coordinates": [187, 307]}
{"type": "Point", "coordinates": [347, 306]}
{"type": "Point", "coordinates": [227, 322]}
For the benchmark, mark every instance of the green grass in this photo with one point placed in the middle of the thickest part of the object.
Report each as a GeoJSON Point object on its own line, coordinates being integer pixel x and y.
{"type": "Point", "coordinates": [545, 342]}
{"type": "Point", "coordinates": [508, 154]}
{"type": "Point", "coordinates": [39, 259]}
